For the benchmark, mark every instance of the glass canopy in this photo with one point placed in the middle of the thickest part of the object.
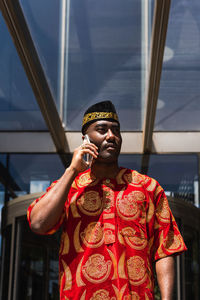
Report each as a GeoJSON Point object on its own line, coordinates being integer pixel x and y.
{"type": "Point", "coordinates": [106, 58]}
{"type": "Point", "coordinates": [178, 103]}
{"type": "Point", "coordinates": [95, 50]}
{"type": "Point", "coordinates": [19, 109]}
{"type": "Point", "coordinates": [44, 25]}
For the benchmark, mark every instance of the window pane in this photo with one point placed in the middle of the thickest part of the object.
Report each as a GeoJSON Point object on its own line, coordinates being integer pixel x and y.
{"type": "Point", "coordinates": [6, 261]}
{"type": "Point", "coordinates": [192, 263]}
{"type": "Point", "coordinates": [2, 197]}
{"type": "Point", "coordinates": [106, 59]}
{"type": "Point", "coordinates": [43, 21]}
{"type": "Point", "coordinates": [178, 105]}
{"type": "Point", "coordinates": [18, 107]}
{"type": "Point", "coordinates": [31, 273]}
{"type": "Point", "coordinates": [177, 174]}
{"type": "Point", "coordinates": [34, 172]}
{"type": "Point", "coordinates": [53, 275]}
{"type": "Point", "coordinates": [38, 265]}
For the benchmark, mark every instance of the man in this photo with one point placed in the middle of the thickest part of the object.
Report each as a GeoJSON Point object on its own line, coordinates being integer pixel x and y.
{"type": "Point", "coordinates": [116, 222]}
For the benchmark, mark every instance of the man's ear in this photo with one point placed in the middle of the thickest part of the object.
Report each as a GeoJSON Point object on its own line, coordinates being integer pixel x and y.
{"type": "Point", "coordinates": [83, 137]}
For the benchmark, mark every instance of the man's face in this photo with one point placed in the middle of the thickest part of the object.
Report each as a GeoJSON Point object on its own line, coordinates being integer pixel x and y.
{"type": "Point", "coordinates": [106, 136]}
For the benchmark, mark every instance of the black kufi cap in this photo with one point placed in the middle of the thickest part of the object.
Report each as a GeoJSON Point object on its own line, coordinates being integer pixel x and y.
{"type": "Point", "coordinates": [104, 110]}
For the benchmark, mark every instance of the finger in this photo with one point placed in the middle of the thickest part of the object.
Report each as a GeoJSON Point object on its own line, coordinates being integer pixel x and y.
{"type": "Point", "coordinates": [90, 147]}
{"type": "Point", "coordinates": [88, 151]}
{"type": "Point", "coordinates": [89, 144]}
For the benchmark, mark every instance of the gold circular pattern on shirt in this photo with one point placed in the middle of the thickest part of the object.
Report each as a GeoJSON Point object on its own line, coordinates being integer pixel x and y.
{"type": "Point", "coordinates": [109, 236]}
{"type": "Point", "coordinates": [127, 206]}
{"type": "Point", "coordinates": [136, 270]}
{"type": "Point", "coordinates": [84, 180]}
{"type": "Point", "coordinates": [136, 242]}
{"type": "Point", "coordinates": [102, 295]}
{"type": "Point", "coordinates": [92, 236]}
{"type": "Point", "coordinates": [163, 210]}
{"type": "Point", "coordinates": [133, 178]}
{"type": "Point", "coordinates": [173, 242]}
{"type": "Point", "coordinates": [90, 203]}
{"type": "Point", "coordinates": [96, 269]}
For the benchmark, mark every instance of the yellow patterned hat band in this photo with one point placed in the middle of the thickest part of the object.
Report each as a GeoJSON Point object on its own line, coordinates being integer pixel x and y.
{"type": "Point", "coordinates": [99, 116]}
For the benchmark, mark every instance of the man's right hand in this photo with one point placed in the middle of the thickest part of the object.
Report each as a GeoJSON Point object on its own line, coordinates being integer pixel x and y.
{"type": "Point", "coordinates": [78, 163]}
{"type": "Point", "coordinates": [47, 212]}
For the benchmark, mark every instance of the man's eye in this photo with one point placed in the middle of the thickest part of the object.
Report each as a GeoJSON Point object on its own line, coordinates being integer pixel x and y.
{"type": "Point", "coordinates": [101, 129]}
{"type": "Point", "coordinates": [116, 130]}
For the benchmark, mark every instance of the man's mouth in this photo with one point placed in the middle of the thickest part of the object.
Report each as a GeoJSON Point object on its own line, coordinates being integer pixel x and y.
{"type": "Point", "coordinates": [110, 146]}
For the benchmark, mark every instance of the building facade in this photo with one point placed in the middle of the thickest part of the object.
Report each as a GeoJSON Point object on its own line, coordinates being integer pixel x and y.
{"type": "Point", "coordinates": [56, 59]}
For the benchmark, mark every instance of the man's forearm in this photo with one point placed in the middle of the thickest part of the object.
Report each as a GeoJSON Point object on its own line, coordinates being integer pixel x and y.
{"type": "Point", "coordinates": [46, 213]}
{"type": "Point", "coordinates": [165, 276]}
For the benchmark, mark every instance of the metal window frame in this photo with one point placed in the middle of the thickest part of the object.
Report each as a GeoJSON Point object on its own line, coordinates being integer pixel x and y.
{"type": "Point", "coordinates": [16, 23]}
{"type": "Point", "coordinates": [158, 39]}
{"type": "Point", "coordinates": [162, 142]}
{"type": "Point", "coordinates": [57, 140]}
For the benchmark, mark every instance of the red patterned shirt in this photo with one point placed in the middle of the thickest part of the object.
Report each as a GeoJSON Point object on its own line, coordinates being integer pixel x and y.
{"type": "Point", "coordinates": [113, 231]}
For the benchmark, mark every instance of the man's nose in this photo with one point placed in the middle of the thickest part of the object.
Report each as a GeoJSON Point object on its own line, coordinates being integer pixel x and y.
{"type": "Point", "coordinates": [110, 135]}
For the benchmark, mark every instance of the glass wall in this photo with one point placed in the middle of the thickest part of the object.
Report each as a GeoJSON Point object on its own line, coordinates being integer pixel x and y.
{"type": "Point", "coordinates": [44, 23]}
{"type": "Point", "coordinates": [192, 263]}
{"type": "Point", "coordinates": [37, 276]}
{"type": "Point", "coordinates": [6, 262]}
{"type": "Point", "coordinates": [31, 173]}
{"type": "Point", "coordinates": [19, 110]}
{"type": "Point", "coordinates": [177, 174]}
{"type": "Point", "coordinates": [106, 58]}
{"type": "Point", "coordinates": [178, 104]}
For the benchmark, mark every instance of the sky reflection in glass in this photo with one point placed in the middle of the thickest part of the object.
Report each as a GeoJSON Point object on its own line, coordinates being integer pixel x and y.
{"type": "Point", "coordinates": [178, 104]}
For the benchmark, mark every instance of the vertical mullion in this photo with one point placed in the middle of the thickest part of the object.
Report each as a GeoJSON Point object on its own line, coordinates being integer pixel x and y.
{"type": "Point", "coordinates": [62, 55]}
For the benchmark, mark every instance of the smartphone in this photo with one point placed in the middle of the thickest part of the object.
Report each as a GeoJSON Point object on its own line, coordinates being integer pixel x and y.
{"type": "Point", "coordinates": [87, 157]}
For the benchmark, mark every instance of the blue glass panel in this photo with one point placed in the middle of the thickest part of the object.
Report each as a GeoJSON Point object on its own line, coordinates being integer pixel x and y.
{"type": "Point", "coordinates": [34, 172]}
{"type": "Point", "coordinates": [2, 196]}
{"type": "Point", "coordinates": [18, 107]}
{"type": "Point", "coordinates": [43, 19]}
{"type": "Point", "coordinates": [178, 105]}
{"type": "Point", "coordinates": [177, 174]}
{"type": "Point", "coordinates": [105, 59]}
{"type": "Point", "coordinates": [2, 193]}
{"type": "Point", "coordinates": [130, 161]}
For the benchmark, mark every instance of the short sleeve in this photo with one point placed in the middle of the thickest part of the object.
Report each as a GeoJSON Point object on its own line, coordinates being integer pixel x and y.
{"type": "Point", "coordinates": [60, 221]}
{"type": "Point", "coordinates": [167, 237]}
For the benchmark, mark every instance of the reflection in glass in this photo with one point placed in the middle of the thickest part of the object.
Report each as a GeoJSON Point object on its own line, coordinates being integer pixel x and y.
{"type": "Point", "coordinates": [18, 107]}
{"type": "Point", "coordinates": [6, 261]}
{"type": "Point", "coordinates": [38, 265]}
{"type": "Point", "coordinates": [177, 174]}
{"type": "Point", "coordinates": [192, 263]}
{"type": "Point", "coordinates": [2, 197]}
{"type": "Point", "coordinates": [105, 59]}
{"type": "Point", "coordinates": [31, 173]}
{"type": "Point", "coordinates": [31, 280]}
{"type": "Point", "coordinates": [180, 89]}
{"type": "Point", "coordinates": [53, 275]}
{"type": "Point", "coordinates": [43, 22]}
